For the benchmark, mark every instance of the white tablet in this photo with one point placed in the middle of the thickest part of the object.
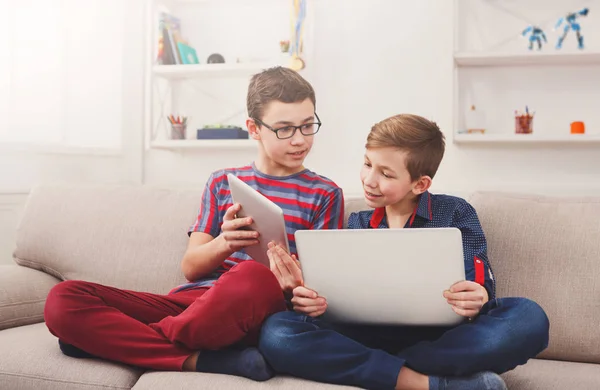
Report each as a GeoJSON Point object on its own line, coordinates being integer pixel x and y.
{"type": "Point", "coordinates": [267, 218]}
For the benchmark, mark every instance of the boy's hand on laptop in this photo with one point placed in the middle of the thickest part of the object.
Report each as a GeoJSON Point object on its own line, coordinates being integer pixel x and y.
{"type": "Point", "coordinates": [286, 268]}
{"type": "Point", "coordinates": [232, 236]}
{"type": "Point", "coordinates": [466, 298]}
{"type": "Point", "coordinates": [307, 301]}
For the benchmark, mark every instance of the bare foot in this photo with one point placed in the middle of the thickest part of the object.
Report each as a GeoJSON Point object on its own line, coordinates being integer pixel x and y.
{"type": "Point", "coordinates": [411, 380]}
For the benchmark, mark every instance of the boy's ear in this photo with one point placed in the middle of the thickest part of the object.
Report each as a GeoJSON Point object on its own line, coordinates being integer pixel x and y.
{"type": "Point", "coordinates": [422, 185]}
{"type": "Point", "coordinates": [252, 129]}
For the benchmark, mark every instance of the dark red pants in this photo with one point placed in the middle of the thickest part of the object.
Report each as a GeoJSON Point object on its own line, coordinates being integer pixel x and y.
{"type": "Point", "coordinates": [161, 331]}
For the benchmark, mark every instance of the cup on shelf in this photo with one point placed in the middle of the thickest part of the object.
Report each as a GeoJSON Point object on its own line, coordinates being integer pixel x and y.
{"type": "Point", "coordinates": [524, 124]}
{"type": "Point", "coordinates": [178, 131]}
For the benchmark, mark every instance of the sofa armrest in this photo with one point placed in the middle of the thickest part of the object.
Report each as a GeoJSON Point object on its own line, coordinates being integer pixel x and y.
{"type": "Point", "coordinates": [23, 294]}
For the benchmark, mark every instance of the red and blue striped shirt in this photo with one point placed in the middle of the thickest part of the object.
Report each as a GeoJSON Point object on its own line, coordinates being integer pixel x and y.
{"type": "Point", "coordinates": [308, 201]}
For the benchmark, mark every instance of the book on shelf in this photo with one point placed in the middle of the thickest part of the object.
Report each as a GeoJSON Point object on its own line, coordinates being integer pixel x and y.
{"type": "Point", "coordinates": [187, 53]}
{"type": "Point", "coordinates": [172, 48]}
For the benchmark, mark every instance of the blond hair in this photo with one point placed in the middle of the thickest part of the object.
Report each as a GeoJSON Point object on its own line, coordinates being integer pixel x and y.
{"type": "Point", "coordinates": [420, 138]}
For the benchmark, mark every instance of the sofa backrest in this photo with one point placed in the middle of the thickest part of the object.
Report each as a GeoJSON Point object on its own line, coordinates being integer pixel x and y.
{"type": "Point", "coordinates": [543, 248]}
{"type": "Point", "coordinates": [548, 249]}
{"type": "Point", "coordinates": [353, 204]}
{"type": "Point", "coordinates": [125, 236]}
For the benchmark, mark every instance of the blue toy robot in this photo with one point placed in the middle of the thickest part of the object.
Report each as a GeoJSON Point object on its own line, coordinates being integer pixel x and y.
{"type": "Point", "coordinates": [537, 34]}
{"type": "Point", "coordinates": [571, 24]}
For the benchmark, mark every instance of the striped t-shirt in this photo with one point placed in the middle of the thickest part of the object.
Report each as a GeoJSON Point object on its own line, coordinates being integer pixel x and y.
{"type": "Point", "coordinates": [308, 201]}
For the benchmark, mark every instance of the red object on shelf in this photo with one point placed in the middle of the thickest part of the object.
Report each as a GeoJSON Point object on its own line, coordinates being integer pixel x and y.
{"type": "Point", "coordinates": [577, 128]}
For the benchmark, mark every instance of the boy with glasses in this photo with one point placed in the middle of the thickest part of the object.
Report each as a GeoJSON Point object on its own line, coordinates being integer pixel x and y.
{"type": "Point", "coordinates": [212, 323]}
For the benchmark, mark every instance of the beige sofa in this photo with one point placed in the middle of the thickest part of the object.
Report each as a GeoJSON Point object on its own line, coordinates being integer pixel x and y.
{"type": "Point", "coordinates": [547, 249]}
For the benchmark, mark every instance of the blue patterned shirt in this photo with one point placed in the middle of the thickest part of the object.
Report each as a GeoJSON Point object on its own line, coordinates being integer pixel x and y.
{"type": "Point", "coordinates": [438, 211]}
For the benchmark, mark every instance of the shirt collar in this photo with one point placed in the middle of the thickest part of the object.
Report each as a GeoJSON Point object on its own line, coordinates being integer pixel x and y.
{"type": "Point", "coordinates": [424, 206]}
{"type": "Point", "coordinates": [423, 210]}
{"type": "Point", "coordinates": [377, 218]}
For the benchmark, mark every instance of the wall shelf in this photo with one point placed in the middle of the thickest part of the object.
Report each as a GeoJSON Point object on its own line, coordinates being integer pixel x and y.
{"type": "Point", "coordinates": [182, 72]}
{"type": "Point", "coordinates": [527, 139]}
{"type": "Point", "coordinates": [185, 144]}
{"type": "Point", "coordinates": [495, 72]}
{"type": "Point", "coordinates": [209, 94]}
{"type": "Point", "coordinates": [527, 58]}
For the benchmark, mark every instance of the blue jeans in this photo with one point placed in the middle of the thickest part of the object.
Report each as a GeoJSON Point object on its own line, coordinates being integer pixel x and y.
{"type": "Point", "coordinates": [506, 333]}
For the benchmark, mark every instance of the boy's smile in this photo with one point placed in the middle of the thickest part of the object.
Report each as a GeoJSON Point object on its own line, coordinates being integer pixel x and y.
{"type": "Point", "coordinates": [298, 155]}
{"type": "Point", "coordinates": [371, 196]}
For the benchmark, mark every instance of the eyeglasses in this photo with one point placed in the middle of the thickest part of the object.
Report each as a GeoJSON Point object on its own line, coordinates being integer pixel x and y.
{"type": "Point", "coordinates": [289, 131]}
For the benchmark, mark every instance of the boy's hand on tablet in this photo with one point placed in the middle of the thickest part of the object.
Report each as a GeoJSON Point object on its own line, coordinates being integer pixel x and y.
{"type": "Point", "coordinates": [308, 302]}
{"type": "Point", "coordinates": [234, 238]}
{"type": "Point", "coordinates": [466, 298]}
{"type": "Point", "coordinates": [286, 268]}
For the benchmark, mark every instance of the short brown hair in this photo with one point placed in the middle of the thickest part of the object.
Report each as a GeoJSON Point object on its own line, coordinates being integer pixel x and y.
{"type": "Point", "coordinates": [420, 138]}
{"type": "Point", "coordinates": [278, 83]}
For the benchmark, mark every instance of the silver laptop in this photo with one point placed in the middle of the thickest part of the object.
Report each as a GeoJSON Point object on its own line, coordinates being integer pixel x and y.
{"type": "Point", "coordinates": [383, 276]}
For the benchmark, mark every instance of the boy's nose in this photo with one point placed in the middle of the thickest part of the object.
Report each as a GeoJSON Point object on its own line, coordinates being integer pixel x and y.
{"type": "Point", "coordinates": [298, 138]}
{"type": "Point", "coordinates": [370, 181]}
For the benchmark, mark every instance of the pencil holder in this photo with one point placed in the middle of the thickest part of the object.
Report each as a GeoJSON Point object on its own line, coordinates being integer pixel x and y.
{"type": "Point", "coordinates": [178, 131]}
{"type": "Point", "coordinates": [524, 124]}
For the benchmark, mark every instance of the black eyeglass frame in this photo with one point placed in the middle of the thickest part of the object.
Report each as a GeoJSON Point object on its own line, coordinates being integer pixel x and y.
{"type": "Point", "coordinates": [276, 131]}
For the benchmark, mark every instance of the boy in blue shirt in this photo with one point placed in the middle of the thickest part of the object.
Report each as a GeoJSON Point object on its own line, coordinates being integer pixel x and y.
{"type": "Point", "coordinates": [403, 153]}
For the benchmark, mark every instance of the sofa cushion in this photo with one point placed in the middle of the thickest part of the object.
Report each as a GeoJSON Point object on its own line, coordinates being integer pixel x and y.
{"type": "Point", "coordinates": [189, 380]}
{"type": "Point", "coordinates": [130, 237]}
{"type": "Point", "coordinates": [540, 374]}
{"type": "Point", "coordinates": [548, 249]}
{"type": "Point", "coordinates": [31, 359]}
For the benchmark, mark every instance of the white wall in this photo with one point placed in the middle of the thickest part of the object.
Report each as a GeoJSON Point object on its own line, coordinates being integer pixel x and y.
{"type": "Point", "coordinates": [378, 58]}
{"type": "Point", "coordinates": [72, 114]}
{"type": "Point", "coordinates": [372, 59]}
{"type": "Point", "coordinates": [25, 166]}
